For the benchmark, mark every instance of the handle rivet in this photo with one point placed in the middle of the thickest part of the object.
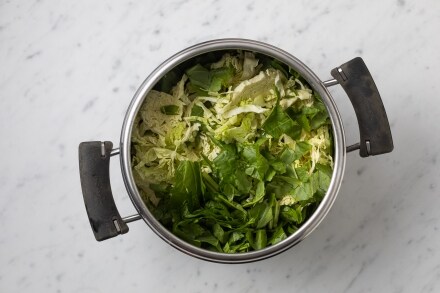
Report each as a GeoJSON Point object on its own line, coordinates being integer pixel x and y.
{"type": "Point", "coordinates": [102, 149]}
{"type": "Point", "coordinates": [368, 145]}
{"type": "Point", "coordinates": [342, 74]}
{"type": "Point", "coordinates": [118, 228]}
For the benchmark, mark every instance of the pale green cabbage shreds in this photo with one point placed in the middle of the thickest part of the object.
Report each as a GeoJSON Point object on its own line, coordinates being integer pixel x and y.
{"type": "Point", "coordinates": [237, 156]}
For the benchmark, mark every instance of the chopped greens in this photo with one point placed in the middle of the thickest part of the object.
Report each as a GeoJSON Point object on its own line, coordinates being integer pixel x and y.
{"type": "Point", "coordinates": [236, 156]}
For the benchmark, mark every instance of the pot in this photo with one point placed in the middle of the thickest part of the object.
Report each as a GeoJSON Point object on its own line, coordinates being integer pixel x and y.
{"type": "Point", "coordinates": [94, 157]}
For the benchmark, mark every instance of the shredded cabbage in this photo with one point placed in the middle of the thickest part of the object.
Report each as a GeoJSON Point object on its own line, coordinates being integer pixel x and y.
{"type": "Point", "coordinates": [236, 155]}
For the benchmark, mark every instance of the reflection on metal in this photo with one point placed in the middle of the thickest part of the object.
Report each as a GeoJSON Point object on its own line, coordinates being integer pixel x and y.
{"type": "Point", "coordinates": [114, 152]}
{"type": "Point", "coordinates": [131, 218]}
{"type": "Point", "coordinates": [102, 149]}
{"type": "Point", "coordinates": [329, 83]}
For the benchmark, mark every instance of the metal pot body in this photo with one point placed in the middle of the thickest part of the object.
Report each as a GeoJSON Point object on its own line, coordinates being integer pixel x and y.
{"type": "Point", "coordinates": [317, 85]}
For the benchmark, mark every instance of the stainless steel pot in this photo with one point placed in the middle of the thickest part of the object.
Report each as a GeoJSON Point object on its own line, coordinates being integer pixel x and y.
{"type": "Point", "coordinates": [94, 157]}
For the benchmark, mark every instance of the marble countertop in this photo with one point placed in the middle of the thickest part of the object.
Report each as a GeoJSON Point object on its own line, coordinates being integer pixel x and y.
{"type": "Point", "coordinates": [68, 71]}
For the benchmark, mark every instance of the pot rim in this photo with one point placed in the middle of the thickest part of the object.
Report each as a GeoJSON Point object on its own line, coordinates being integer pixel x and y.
{"type": "Point", "coordinates": [265, 49]}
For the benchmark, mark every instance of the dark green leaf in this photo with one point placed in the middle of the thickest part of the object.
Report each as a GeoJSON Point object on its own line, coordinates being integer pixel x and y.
{"type": "Point", "coordinates": [197, 111]}
{"type": "Point", "coordinates": [275, 210]}
{"type": "Point", "coordinates": [260, 239]}
{"type": "Point", "coordinates": [279, 167]}
{"type": "Point", "coordinates": [257, 163]}
{"type": "Point", "coordinates": [292, 182]}
{"type": "Point", "coordinates": [210, 183]}
{"type": "Point", "coordinates": [291, 214]}
{"type": "Point", "coordinates": [209, 80]}
{"type": "Point", "coordinates": [235, 236]}
{"type": "Point", "coordinates": [219, 233]}
{"type": "Point", "coordinates": [281, 185]}
{"type": "Point", "coordinates": [303, 192]}
{"type": "Point", "coordinates": [170, 110]}
{"type": "Point", "coordinates": [242, 182]}
{"type": "Point", "coordinates": [259, 195]}
{"type": "Point", "coordinates": [301, 148]}
{"type": "Point", "coordinates": [209, 239]}
{"type": "Point", "coordinates": [326, 169]}
{"type": "Point", "coordinates": [288, 156]}
{"type": "Point", "coordinates": [188, 185]}
{"type": "Point", "coordinates": [270, 174]}
{"type": "Point", "coordinates": [261, 214]}
{"type": "Point", "coordinates": [279, 123]}
{"type": "Point", "coordinates": [159, 187]}
{"type": "Point", "coordinates": [303, 172]}
{"type": "Point", "coordinates": [291, 229]}
{"type": "Point", "coordinates": [220, 78]}
{"type": "Point", "coordinates": [168, 81]}
{"type": "Point", "coordinates": [241, 247]}
{"type": "Point", "coordinates": [231, 204]}
{"type": "Point", "coordinates": [319, 120]}
{"type": "Point", "coordinates": [310, 111]}
{"type": "Point", "coordinates": [321, 179]}
{"type": "Point", "coordinates": [199, 76]}
{"type": "Point", "coordinates": [224, 162]}
{"type": "Point", "coordinates": [294, 73]}
{"type": "Point", "coordinates": [230, 191]}
{"type": "Point", "coordinates": [277, 236]}
{"type": "Point", "coordinates": [194, 89]}
{"type": "Point", "coordinates": [189, 231]}
{"type": "Point", "coordinates": [281, 67]}
{"type": "Point", "coordinates": [304, 122]}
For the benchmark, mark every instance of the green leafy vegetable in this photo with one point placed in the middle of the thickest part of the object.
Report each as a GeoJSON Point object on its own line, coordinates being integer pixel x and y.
{"type": "Point", "coordinates": [235, 155]}
{"type": "Point", "coordinates": [260, 239]}
{"type": "Point", "coordinates": [188, 187]}
{"type": "Point", "coordinates": [261, 214]}
{"type": "Point", "coordinates": [209, 80]}
{"type": "Point", "coordinates": [170, 110]}
{"type": "Point", "coordinates": [279, 123]}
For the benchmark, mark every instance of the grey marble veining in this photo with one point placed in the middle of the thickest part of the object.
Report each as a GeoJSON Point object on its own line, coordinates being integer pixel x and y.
{"type": "Point", "coordinates": [68, 70]}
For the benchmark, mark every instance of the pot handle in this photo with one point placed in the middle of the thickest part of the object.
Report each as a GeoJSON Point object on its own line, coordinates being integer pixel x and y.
{"type": "Point", "coordinates": [374, 127]}
{"type": "Point", "coordinates": [94, 165]}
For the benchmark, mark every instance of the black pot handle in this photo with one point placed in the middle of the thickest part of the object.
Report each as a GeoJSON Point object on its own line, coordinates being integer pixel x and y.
{"type": "Point", "coordinates": [94, 165]}
{"type": "Point", "coordinates": [374, 127]}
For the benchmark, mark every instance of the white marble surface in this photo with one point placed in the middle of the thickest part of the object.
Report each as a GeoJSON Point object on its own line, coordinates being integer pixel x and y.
{"type": "Point", "coordinates": [68, 70]}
